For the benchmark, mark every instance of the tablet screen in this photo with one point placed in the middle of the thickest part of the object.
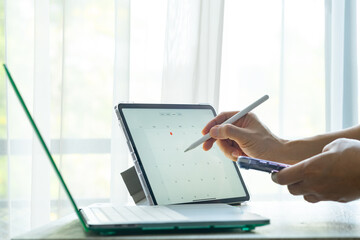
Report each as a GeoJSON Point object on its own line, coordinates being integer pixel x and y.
{"type": "Point", "coordinates": [159, 137]}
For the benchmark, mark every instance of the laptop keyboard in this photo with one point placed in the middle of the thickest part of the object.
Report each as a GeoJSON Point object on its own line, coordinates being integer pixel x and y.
{"type": "Point", "coordinates": [136, 213]}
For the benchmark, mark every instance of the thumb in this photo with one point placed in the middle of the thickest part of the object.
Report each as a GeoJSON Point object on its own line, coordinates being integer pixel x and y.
{"type": "Point", "coordinates": [228, 131]}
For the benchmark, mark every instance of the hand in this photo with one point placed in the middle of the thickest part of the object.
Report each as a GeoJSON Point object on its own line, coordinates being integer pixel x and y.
{"type": "Point", "coordinates": [332, 175]}
{"type": "Point", "coordinates": [247, 136]}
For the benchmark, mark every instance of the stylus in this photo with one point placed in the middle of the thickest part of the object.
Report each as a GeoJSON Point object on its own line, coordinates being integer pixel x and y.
{"type": "Point", "coordinates": [230, 120]}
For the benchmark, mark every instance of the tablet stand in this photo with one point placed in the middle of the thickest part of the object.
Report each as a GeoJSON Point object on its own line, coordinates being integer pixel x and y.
{"type": "Point", "coordinates": [133, 185]}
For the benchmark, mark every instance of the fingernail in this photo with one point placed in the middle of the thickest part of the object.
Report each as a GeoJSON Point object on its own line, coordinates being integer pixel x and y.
{"type": "Point", "coordinates": [274, 177]}
{"type": "Point", "coordinates": [235, 154]}
{"type": "Point", "coordinates": [215, 131]}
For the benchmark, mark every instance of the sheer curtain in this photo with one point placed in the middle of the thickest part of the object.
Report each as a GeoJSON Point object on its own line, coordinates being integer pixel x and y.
{"type": "Point", "coordinates": [74, 60]}
{"type": "Point", "coordinates": [192, 56]}
{"type": "Point", "coordinates": [341, 64]}
{"type": "Point", "coordinates": [120, 94]}
{"type": "Point", "coordinates": [28, 185]}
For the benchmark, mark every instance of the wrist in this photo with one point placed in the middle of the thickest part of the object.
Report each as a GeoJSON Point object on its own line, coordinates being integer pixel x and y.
{"type": "Point", "coordinates": [291, 151]}
{"type": "Point", "coordinates": [300, 149]}
{"type": "Point", "coordinates": [279, 150]}
{"type": "Point", "coordinates": [287, 153]}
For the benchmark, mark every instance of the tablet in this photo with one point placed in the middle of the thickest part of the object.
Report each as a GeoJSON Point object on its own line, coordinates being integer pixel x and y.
{"type": "Point", "coordinates": [157, 135]}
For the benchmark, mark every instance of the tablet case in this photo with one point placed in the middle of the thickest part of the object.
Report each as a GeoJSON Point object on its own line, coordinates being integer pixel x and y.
{"type": "Point", "coordinates": [132, 181]}
{"type": "Point", "coordinates": [133, 185]}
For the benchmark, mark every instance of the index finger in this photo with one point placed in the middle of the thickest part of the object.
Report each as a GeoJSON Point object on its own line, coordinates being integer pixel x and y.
{"type": "Point", "coordinates": [289, 175]}
{"type": "Point", "coordinates": [219, 119]}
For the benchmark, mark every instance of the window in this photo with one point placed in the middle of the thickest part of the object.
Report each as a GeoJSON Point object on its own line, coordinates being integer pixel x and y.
{"type": "Point", "coordinates": [269, 47]}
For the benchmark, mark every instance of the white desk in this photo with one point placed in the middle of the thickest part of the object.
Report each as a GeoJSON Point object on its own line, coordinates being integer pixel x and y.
{"type": "Point", "coordinates": [288, 220]}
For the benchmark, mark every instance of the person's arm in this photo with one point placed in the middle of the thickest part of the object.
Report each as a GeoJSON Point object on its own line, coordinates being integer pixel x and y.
{"type": "Point", "coordinates": [297, 150]}
{"type": "Point", "coordinates": [248, 136]}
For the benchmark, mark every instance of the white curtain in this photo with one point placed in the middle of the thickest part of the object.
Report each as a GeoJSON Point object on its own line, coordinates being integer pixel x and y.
{"type": "Point", "coordinates": [27, 51]}
{"type": "Point", "coordinates": [341, 64]}
{"type": "Point", "coordinates": [121, 89]}
{"type": "Point", "coordinates": [192, 56]}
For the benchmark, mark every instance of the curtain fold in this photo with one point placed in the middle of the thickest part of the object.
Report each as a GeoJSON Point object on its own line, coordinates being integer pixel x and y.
{"type": "Point", "coordinates": [119, 151]}
{"type": "Point", "coordinates": [341, 64]}
{"type": "Point", "coordinates": [20, 58]}
{"type": "Point", "coordinates": [40, 173]}
{"type": "Point", "coordinates": [192, 56]}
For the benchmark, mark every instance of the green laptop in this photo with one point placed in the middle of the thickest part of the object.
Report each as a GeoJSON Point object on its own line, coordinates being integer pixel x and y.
{"type": "Point", "coordinates": [106, 218]}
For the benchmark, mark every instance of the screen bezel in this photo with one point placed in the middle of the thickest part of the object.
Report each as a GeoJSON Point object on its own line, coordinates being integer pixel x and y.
{"type": "Point", "coordinates": [128, 134]}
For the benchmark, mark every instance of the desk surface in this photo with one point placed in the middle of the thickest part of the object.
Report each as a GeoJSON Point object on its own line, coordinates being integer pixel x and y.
{"type": "Point", "coordinates": [288, 220]}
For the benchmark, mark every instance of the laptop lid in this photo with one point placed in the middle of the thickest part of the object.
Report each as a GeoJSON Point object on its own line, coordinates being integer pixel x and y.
{"type": "Point", "coordinates": [223, 216]}
{"type": "Point", "coordinates": [157, 136]}
{"type": "Point", "coordinates": [43, 144]}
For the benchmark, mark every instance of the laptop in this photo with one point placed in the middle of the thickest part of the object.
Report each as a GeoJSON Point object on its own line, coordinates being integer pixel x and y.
{"type": "Point", "coordinates": [106, 218]}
